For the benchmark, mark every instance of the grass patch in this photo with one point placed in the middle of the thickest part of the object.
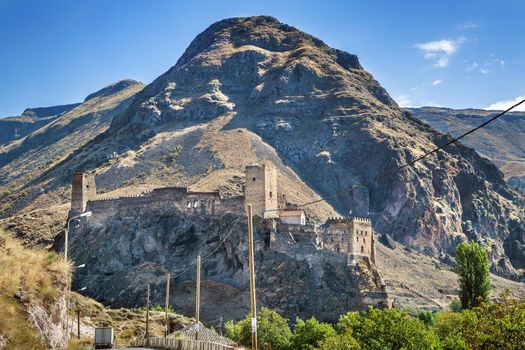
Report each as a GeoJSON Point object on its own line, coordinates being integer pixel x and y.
{"type": "Point", "coordinates": [27, 277]}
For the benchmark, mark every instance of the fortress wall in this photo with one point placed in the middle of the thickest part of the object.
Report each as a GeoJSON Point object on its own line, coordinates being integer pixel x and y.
{"type": "Point", "coordinates": [336, 235]}
{"type": "Point", "coordinates": [168, 201]}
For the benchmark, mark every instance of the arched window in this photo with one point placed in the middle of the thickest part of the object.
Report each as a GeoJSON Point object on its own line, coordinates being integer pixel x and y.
{"type": "Point", "coordinates": [189, 204]}
{"type": "Point", "coordinates": [196, 204]}
{"type": "Point", "coordinates": [364, 240]}
{"type": "Point", "coordinates": [270, 194]}
{"type": "Point", "coordinates": [362, 249]}
{"type": "Point", "coordinates": [357, 238]}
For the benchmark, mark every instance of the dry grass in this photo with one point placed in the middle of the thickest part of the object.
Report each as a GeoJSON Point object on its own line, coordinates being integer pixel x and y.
{"type": "Point", "coordinates": [127, 324]}
{"type": "Point", "coordinates": [26, 277]}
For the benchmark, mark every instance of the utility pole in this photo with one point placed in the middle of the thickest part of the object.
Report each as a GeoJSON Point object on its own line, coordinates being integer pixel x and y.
{"type": "Point", "coordinates": [167, 303]}
{"type": "Point", "coordinates": [147, 316]}
{"type": "Point", "coordinates": [78, 322]}
{"type": "Point", "coordinates": [220, 326]}
{"type": "Point", "coordinates": [252, 279]}
{"type": "Point", "coordinates": [198, 298]}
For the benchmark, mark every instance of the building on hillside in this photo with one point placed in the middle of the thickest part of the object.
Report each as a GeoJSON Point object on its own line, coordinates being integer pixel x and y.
{"type": "Point", "coordinates": [354, 236]}
{"type": "Point", "coordinates": [83, 189]}
{"type": "Point", "coordinates": [260, 190]}
{"type": "Point", "coordinates": [292, 216]}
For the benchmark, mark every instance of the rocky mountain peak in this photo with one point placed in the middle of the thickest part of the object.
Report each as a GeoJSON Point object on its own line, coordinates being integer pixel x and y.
{"type": "Point", "coordinates": [113, 88]}
{"type": "Point", "coordinates": [264, 32]}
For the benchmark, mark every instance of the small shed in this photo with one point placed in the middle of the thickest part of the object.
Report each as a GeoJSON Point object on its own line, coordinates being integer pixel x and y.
{"type": "Point", "coordinates": [292, 216]}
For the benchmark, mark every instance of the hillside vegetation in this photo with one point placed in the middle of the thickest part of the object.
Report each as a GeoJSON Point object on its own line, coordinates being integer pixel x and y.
{"type": "Point", "coordinates": [32, 284]}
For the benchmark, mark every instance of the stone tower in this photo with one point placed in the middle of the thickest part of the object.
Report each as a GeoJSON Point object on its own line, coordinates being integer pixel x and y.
{"type": "Point", "coordinates": [361, 240]}
{"type": "Point", "coordinates": [260, 190]}
{"type": "Point", "coordinates": [354, 236]}
{"type": "Point", "coordinates": [83, 189]}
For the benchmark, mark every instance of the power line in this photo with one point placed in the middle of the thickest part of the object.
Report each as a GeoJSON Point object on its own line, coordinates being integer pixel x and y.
{"type": "Point", "coordinates": [409, 164]}
{"type": "Point", "coordinates": [213, 252]}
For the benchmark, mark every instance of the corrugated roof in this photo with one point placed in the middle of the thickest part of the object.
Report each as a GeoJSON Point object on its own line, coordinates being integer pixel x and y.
{"type": "Point", "coordinates": [205, 334]}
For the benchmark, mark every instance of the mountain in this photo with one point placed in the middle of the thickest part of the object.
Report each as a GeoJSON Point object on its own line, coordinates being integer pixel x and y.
{"type": "Point", "coordinates": [502, 141]}
{"type": "Point", "coordinates": [12, 128]}
{"type": "Point", "coordinates": [251, 90]}
{"type": "Point", "coordinates": [25, 159]}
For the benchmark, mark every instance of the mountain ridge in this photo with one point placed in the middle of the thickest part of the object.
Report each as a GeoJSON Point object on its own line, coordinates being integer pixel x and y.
{"type": "Point", "coordinates": [319, 117]}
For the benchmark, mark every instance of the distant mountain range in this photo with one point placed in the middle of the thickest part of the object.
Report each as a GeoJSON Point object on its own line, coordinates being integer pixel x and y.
{"type": "Point", "coordinates": [502, 141]}
{"type": "Point", "coordinates": [251, 90]}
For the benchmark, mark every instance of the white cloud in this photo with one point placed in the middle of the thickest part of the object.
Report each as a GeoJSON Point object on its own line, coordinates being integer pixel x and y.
{"type": "Point", "coordinates": [447, 47]}
{"type": "Point", "coordinates": [442, 62]}
{"type": "Point", "coordinates": [440, 50]}
{"type": "Point", "coordinates": [502, 105]}
{"type": "Point", "coordinates": [486, 66]}
{"type": "Point", "coordinates": [403, 101]}
{"type": "Point", "coordinates": [436, 82]}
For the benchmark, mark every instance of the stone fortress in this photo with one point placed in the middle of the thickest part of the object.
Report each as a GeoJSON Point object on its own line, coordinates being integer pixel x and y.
{"type": "Point", "coordinates": [353, 236]}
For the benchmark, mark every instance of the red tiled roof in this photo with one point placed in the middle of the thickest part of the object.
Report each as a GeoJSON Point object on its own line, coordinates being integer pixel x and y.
{"type": "Point", "coordinates": [291, 212]}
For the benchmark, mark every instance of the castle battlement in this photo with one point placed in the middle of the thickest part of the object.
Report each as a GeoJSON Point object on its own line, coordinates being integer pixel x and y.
{"type": "Point", "coordinates": [260, 191]}
{"type": "Point", "coordinates": [354, 236]}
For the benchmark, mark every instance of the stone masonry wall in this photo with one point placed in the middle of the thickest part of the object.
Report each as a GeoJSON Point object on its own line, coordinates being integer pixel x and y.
{"type": "Point", "coordinates": [168, 201]}
{"type": "Point", "coordinates": [353, 236]}
{"type": "Point", "coordinates": [83, 189]}
{"type": "Point", "coordinates": [261, 190]}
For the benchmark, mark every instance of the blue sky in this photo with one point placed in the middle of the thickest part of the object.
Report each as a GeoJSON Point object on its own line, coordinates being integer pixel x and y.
{"type": "Point", "coordinates": [447, 53]}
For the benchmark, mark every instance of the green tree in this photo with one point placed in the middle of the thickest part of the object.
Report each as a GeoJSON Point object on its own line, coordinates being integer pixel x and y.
{"type": "Point", "coordinates": [343, 341]}
{"type": "Point", "coordinates": [272, 331]}
{"type": "Point", "coordinates": [472, 266]}
{"type": "Point", "coordinates": [308, 334]}
{"type": "Point", "coordinates": [389, 329]}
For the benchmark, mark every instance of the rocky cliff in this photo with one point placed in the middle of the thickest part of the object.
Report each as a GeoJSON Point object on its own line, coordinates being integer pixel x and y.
{"type": "Point", "coordinates": [502, 141]}
{"type": "Point", "coordinates": [138, 246]}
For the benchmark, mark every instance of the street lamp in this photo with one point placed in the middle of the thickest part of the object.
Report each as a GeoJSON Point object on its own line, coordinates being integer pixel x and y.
{"type": "Point", "coordinates": [86, 214]}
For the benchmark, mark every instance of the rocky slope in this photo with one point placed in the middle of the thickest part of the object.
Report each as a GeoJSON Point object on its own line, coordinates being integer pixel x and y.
{"type": "Point", "coordinates": [13, 128]}
{"type": "Point", "coordinates": [24, 160]}
{"type": "Point", "coordinates": [32, 298]}
{"type": "Point", "coordinates": [502, 141]}
{"type": "Point", "coordinates": [253, 89]}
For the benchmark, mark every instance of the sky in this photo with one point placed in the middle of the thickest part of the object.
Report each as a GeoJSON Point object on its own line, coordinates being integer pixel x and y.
{"type": "Point", "coordinates": [457, 54]}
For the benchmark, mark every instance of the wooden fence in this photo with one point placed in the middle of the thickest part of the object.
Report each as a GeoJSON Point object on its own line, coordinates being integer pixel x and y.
{"type": "Point", "coordinates": [181, 344]}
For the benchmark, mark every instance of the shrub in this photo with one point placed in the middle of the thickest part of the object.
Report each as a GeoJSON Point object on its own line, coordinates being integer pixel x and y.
{"type": "Point", "coordinates": [455, 305]}
{"type": "Point", "coordinates": [308, 334]}
{"type": "Point", "coordinates": [272, 331]}
{"type": "Point", "coordinates": [389, 329]}
{"type": "Point", "coordinates": [343, 341]}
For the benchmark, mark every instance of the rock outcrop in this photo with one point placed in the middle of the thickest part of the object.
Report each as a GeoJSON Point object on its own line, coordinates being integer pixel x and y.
{"type": "Point", "coordinates": [138, 246]}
